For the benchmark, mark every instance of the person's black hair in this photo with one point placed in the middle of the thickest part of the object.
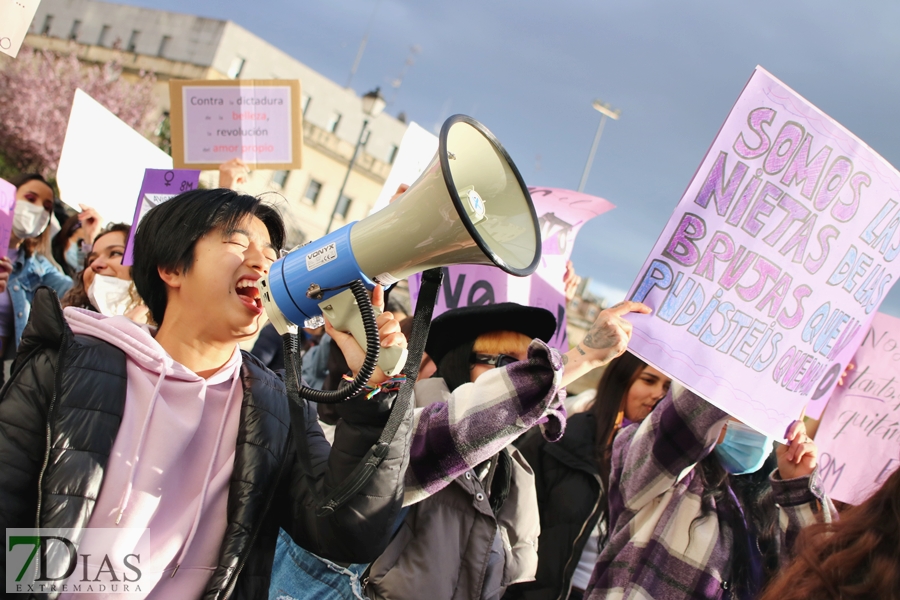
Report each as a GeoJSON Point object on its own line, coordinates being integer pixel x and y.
{"type": "Point", "coordinates": [24, 178]}
{"type": "Point", "coordinates": [455, 367]}
{"type": "Point", "coordinates": [167, 235]}
{"type": "Point", "coordinates": [757, 513]}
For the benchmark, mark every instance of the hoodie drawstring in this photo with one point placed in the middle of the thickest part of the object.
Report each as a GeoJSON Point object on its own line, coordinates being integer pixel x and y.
{"type": "Point", "coordinates": [206, 480]}
{"type": "Point", "coordinates": [140, 447]}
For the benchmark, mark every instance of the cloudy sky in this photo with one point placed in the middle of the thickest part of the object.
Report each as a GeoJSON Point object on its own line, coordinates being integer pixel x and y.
{"type": "Point", "coordinates": [529, 70]}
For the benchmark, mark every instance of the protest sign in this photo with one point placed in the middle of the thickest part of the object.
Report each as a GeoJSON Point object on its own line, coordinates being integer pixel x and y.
{"type": "Point", "coordinates": [561, 214]}
{"type": "Point", "coordinates": [767, 276]}
{"type": "Point", "coordinates": [415, 152]}
{"type": "Point", "coordinates": [258, 121]}
{"type": "Point", "coordinates": [103, 161]}
{"type": "Point", "coordinates": [15, 20]}
{"type": "Point", "coordinates": [859, 436]}
{"type": "Point", "coordinates": [159, 185]}
{"type": "Point", "coordinates": [7, 208]}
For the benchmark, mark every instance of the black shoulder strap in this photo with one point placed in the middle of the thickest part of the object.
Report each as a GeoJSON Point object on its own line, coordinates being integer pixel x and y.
{"type": "Point", "coordinates": [402, 409]}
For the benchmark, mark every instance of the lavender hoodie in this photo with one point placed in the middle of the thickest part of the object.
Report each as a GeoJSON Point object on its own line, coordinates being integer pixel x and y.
{"type": "Point", "coordinates": [170, 464]}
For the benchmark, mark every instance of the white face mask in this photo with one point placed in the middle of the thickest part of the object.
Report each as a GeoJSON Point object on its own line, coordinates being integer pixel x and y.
{"type": "Point", "coordinates": [29, 220]}
{"type": "Point", "coordinates": [110, 295]}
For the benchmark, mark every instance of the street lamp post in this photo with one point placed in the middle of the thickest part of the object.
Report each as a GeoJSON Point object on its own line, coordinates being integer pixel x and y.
{"type": "Point", "coordinates": [607, 112]}
{"type": "Point", "coordinates": [372, 105]}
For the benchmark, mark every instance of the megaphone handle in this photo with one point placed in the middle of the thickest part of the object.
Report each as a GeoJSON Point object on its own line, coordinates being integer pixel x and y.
{"type": "Point", "coordinates": [343, 313]}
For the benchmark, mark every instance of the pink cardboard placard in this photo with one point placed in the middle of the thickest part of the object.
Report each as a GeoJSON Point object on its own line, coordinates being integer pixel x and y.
{"type": "Point", "coordinates": [859, 436]}
{"type": "Point", "coordinates": [768, 274]}
{"type": "Point", "coordinates": [561, 214]}
{"type": "Point", "coordinates": [159, 186]}
{"type": "Point", "coordinates": [7, 208]}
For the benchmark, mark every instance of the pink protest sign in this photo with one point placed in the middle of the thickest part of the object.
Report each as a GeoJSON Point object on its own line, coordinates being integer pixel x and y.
{"type": "Point", "coordinates": [258, 121]}
{"type": "Point", "coordinates": [859, 436]}
{"type": "Point", "coordinates": [7, 208]}
{"type": "Point", "coordinates": [766, 278]}
{"type": "Point", "coordinates": [561, 214]}
{"type": "Point", "coordinates": [159, 186]}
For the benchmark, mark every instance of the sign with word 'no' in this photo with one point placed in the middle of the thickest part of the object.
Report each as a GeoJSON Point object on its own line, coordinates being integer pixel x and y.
{"type": "Point", "coordinates": [258, 121]}
{"type": "Point", "coordinates": [561, 214]}
{"type": "Point", "coordinates": [767, 276]}
{"type": "Point", "coordinates": [15, 19]}
{"type": "Point", "coordinates": [859, 436]}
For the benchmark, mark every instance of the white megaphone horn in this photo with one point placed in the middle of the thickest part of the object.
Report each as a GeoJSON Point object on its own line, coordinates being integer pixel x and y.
{"type": "Point", "coordinates": [469, 206]}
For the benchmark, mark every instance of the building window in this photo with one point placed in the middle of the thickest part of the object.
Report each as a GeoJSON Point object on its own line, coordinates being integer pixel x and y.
{"type": "Point", "coordinates": [304, 101]}
{"type": "Point", "coordinates": [104, 33]}
{"type": "Point", "coordinates": [393, 154]}
{"type": "Point", "coordinates": [237, 65]}
{"type": "Point", "coordinates": [133, 40]}
{"type": "Point", "coordinates": [312, 191]}
{"type": "Point", "coordinates": [279, 178]}
{"type": "Point", "coordinates": [163, 45]}
{"type": "Point", "coordinates": [48, 23]}
{"type": "Point", "coordinates": [342, 207]}
{"type": "Point", "coordinates": [76, 26]}
{"type": "Point", "coordinates": [333, 122]}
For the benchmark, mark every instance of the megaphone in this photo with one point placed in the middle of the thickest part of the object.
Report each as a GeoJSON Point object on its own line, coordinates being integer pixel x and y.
{"type": "Point", "coordinates": [469, 206]}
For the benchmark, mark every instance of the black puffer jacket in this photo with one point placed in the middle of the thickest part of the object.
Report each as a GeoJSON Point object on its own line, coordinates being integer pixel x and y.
{"type": "Point", "coordinates": [70, 390]}
{"type": "Point", "coordinates": [569, 493]}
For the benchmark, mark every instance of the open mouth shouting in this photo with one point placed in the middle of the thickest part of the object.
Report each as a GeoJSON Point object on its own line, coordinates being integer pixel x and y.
{"type": "Point", "coordinates": [248, 293]}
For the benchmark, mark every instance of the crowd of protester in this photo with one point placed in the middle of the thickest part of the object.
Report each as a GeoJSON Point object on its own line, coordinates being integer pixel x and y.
{"type": "Point", "coordinates": [130, 405]}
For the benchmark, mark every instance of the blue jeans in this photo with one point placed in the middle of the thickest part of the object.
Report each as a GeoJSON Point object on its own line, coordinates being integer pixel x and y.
{"type": "Point", "coordinates": [298, 574]}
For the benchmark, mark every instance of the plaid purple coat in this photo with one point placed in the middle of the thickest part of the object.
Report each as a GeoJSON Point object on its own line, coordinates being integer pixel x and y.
{"type": "Point", "coordinates": [654, 551]}
{"type": "Point", "coordinates": [455, 432]}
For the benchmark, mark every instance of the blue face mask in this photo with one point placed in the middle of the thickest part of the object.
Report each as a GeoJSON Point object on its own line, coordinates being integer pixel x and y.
{"type": "Point", "coordinates": [75, 255]}
{"type": "Point", "coordinates": [743, 450]}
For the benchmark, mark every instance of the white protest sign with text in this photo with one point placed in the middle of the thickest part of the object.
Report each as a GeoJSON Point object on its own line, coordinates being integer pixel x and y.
{"type": "Point", "coordinates": [258, 121]}
{"type": "Point", "coordinates": [103, 161]}
{"type": "Point", "coordinates": [859, 436]}
{"type": "Point", "coordinates": [15, 20]}
{"type": "Point", "coordinates": [767, 276]}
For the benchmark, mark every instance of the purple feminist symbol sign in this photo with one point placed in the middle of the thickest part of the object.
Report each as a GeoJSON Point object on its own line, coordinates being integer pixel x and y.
{"type": "Point", "coordinates": [159, 186]}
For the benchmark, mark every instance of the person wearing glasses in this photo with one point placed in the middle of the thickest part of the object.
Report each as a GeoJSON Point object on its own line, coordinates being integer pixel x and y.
{"type": "Point", "coordinates": [479, 534]}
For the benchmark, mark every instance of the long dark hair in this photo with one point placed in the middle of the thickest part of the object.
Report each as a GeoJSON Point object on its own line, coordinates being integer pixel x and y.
{"type": "Point", "coordinates": [609, 403]}
{"type": "Point", "coordinates": [59, 243]}
{"type": "Point", "coordinates": [855, 558]}
{"type": "Point", "coordinates": [757, 512]}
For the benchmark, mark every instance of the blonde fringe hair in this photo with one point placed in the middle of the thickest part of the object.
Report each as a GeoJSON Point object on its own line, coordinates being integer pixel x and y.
{"type": "Point", "coordinates": [502, 342]}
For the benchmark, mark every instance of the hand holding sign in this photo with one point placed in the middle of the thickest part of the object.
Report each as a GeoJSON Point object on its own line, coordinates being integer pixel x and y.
{"type": "Point", "coordinates": [607, 338]}
{"type": "Point", "coordinates": [799, 457]}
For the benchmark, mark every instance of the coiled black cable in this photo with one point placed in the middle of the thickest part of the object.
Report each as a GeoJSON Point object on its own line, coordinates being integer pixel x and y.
{"type": "Point", "coordinates": [346, 390]}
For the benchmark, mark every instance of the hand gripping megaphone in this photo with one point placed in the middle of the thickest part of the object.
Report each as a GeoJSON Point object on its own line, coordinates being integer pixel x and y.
{"type": "Point", "coordinates": [469, 206]}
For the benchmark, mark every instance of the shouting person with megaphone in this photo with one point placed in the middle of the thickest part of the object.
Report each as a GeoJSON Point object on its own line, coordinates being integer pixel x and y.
{"type": "Point", "coordinates": [108, 425]}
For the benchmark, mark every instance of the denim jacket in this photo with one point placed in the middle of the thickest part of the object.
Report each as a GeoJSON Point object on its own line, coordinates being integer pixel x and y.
{"type": "Point", "coordinates": [28, 274]}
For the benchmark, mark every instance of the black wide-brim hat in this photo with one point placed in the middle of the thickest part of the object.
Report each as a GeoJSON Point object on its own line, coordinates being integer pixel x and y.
{"type": "Point", "coordinates": [460, 325]}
